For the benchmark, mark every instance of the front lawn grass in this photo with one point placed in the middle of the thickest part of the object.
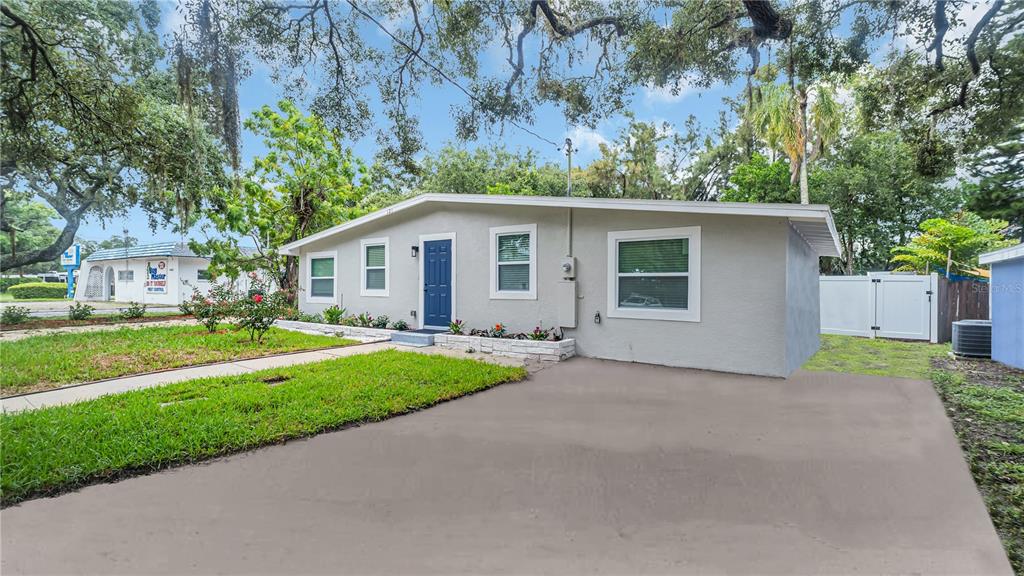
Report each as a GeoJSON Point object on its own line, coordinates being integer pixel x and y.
{"type": "Point", "coordinates": [100, 318]}
{"type": "Point", "coordinates": [51, 360]}
{"type": "Point", "coordinates": [51, 450]}
{"type": "Point", "coordinates": [984, 401]}
{"type": "Point", "coordinates": [878, 356]}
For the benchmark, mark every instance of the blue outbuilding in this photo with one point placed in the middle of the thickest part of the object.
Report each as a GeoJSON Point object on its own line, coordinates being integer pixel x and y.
{"type": "Point", "coordinates": [1007, 310]}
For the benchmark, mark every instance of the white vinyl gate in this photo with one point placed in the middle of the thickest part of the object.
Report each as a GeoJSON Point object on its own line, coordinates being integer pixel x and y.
{"type": "Point", "coordinates": [881, 305]}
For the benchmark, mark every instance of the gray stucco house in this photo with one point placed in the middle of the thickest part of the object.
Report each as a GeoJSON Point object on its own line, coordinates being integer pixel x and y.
{"type": "Point", "coordinates": [713, 285]}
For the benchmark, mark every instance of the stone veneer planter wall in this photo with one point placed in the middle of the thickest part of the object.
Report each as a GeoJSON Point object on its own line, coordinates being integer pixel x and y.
{"type": "Point", "coordinates": [544, 350]}
{"type": "Point", "coordinates": [335, 329]}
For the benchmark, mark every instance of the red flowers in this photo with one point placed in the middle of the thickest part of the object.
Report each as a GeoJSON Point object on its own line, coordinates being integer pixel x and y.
{"type": "Point", "coordinates": [257, 298]}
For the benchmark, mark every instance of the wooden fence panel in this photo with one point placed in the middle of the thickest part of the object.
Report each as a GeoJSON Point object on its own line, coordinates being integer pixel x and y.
{"type": "Point", "coordinates": [962, 300]}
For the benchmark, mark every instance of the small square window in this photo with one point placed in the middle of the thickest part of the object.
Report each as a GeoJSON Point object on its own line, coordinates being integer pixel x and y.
{"type": "Point", "coordinates": [513, 262]}
{"type": "Point", "coordinates": [321, 277]}
{"type": "Point", "coordinates": [654, 274]}
{"type": "Point", "coordinates": [374, 260]}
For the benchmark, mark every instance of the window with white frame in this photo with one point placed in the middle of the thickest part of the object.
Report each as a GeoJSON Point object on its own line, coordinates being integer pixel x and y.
{"type": "Point", "coordinates": [375, 258]}
{"type": "Point", "coordinates": [321, 274]}
{"type": "Point", "coordinates": [654, 274]}
{"type": "Point", "coordinates": [514, 262]}
{"type": "Point", "coordinates": [203, 274]}
{"type": "Point", "coordinates": [126, 275]}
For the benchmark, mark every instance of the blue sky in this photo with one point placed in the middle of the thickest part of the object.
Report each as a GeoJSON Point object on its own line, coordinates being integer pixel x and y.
{"type": "Point", "coordinates": [258, 90]}
{"type": "Point", "coordinates": [437, 127]}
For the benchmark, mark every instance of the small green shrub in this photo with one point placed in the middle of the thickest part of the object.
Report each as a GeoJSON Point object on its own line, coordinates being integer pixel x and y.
{"type": "Point", "coordinates": [334, 314]}
{"type": "Point", "coordinates": [539, 334]}
{"type": "Point", "coordinates": [456, 326]}
{"type": "Point", "coordinates": [134, 310]}
{"type": "Point", "coordinates": [14, 315]}
{"type": "Point", "coordinates": [80, 311]}
{"type": "Point", "coordinates": [210, 309]}
{"type": "Point", "coordinates": [315, 318]}
{"type": "Point", "coordinates": [364, 320]}
{"type": "Point", "coordinates": [31, 290]}
{"type": "Point", "coordinates": [7, 282]}
{"type": "Point", "coordinates": [399, 325]}
{"type": "Point", "coordinates": [380, 321]}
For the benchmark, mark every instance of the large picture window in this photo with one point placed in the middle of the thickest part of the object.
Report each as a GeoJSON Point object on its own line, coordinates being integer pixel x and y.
{"type": "Point", "coordinates": [374, 263]}
{"type": "Point", "coordinates": [514, 262]}
{"type": "Point", "coordinates": [654, 274]}
{"type": "Point", "coordinates": [321, 276]}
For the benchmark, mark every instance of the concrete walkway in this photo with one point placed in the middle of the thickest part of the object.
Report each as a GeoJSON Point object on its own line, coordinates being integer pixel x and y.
{"type": "Point", "coordinates": [587, 467]}
{"type": "Point", "coordinates": [70, 394]}
{"type": "Point", "coordinates": [59, 308]}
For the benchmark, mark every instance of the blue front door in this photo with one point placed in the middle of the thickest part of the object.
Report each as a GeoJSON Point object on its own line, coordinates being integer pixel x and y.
{"type": "Point", "coordinates": [437, 283]}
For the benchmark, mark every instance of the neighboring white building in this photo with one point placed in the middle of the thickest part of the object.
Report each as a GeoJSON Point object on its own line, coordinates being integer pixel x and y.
{"type": "Point", "coordinates": [158, 274]}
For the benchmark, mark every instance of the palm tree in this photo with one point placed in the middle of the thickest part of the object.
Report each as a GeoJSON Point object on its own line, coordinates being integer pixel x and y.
{"type": "Point", "coordinates": [790, 118]}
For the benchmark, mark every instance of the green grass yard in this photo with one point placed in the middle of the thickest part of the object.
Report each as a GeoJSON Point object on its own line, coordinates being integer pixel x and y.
{"type": "Point", "coordinates": [52, 360]}
{"type": "Point", "coordinates": [51, 450]}
{"type": "Point", "coordinates": [984, 401]}
{"type": "Point", "coordinates": [878, 356]}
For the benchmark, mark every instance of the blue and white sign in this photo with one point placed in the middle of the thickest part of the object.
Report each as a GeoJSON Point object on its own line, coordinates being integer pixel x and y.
{"type": "Point", "coordinates": [72, 256]}
{"type": "Point", "coordinates": [71, 259]}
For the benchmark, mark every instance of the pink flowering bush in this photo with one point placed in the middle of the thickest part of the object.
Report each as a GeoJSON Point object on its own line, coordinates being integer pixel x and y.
{"type": "Point", "coordinates": [257, 312]}
{"type": "Point", "coordinates": [212, 308]}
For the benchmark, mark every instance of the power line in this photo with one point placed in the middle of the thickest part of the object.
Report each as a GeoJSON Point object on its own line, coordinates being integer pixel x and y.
{"type": "Point", "coordinates": [440, 72]}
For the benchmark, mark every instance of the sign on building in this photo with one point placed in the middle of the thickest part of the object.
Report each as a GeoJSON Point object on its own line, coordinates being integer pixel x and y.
{"type": "Point", "coordinates": [156, 277]}
{"type": "Point", "coordinates": [71, 257]}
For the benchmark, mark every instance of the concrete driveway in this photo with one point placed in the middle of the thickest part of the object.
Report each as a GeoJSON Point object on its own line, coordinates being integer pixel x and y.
{"type": "Point", "coordinates": [588, 467]}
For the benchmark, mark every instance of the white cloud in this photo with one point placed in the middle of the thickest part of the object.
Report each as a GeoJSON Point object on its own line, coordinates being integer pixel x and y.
{"type": "Point", "coordinates": [587, 140]}
{"type": "Point", "coordinates": [667, 94]}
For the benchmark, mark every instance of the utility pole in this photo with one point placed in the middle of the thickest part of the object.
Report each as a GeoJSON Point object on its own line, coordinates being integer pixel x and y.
{"type": "Point", "coordinates": [568, 152]}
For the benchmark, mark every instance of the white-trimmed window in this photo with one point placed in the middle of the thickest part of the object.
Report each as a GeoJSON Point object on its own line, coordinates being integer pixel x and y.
{"type": "Point", "coordinates": [654, 274]}
{"type": "Point", "coordinates": [514, 262]}
{"type": "Point", "coordinates": [126, 275]}
{"type": "Point", "coordinates": [374, 263]}
{"type": "Point", "coordinates": [321, 271]}
{"type": "Point", "coordinates": [203, 274]}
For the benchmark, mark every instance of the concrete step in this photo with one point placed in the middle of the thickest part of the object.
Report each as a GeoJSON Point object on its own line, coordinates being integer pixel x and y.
{"type": "Point", "coordinates": [417, 339]}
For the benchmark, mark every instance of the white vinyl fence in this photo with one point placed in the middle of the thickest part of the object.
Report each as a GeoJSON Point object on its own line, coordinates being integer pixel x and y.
{"type": "Point", "coordinates": [881, 304]}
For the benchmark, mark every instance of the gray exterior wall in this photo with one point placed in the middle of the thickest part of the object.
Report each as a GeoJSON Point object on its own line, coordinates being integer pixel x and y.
{"type": "Point", "coordinates": [744, 325]}
{"type": "Point", "coordinates": [802, 302]}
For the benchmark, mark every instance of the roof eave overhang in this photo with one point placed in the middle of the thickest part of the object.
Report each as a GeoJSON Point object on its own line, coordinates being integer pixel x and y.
{"type": "Point", "coordinates": [814, 221]}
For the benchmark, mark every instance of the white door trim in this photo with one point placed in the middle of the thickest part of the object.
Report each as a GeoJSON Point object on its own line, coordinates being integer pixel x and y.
{"type": "Point", "coordinates": [423, 257]}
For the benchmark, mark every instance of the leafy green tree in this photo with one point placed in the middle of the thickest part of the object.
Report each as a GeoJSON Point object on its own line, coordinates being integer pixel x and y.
{"type": "Point", "coordinates": [305, 183]}
{"type": "Point", "coordinates": [999, 192]}
{"type": "Point", "coordinates": [492, 170]}
{"type": "Point", "coordinates": [791, 119]}
{"type": "Point", "coordinates": [759, 180]}
{"type": "Point", "coordinates": [29, 228]}
{"type": "Point", "coordinates": [87, 130]}
{"type": "Point", "coordinates": [952, 245]}
{"type": "Point", "coordinates": [877, 197]}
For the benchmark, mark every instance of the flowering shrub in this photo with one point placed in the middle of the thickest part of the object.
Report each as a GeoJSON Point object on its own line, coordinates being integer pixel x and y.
{"type": "Point", "coordinates": [399, 325]}
{"type": "Point", "coordinates": [334, 314]}
{"type": "Point", "coordinates": [212, 308]}
{"type": "Point", "coordinates": [497, 331]}
{"type": "Point", "coordinates": [364, 320]}
{"type": "Point", "coordinates": [456, 326]}
{"type": "Point", "coordinates": [539, 334]}
{"type": "Point", "coordinates": [257, 312]}
{"type": "Point", "coordinates": [380, 321]}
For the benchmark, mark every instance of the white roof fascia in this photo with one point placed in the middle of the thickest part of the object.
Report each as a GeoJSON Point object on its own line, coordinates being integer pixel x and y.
{"type": "Point", "coordinates": [817, 213]}
{"type": "Point", "coordinates": [1001, 255]}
